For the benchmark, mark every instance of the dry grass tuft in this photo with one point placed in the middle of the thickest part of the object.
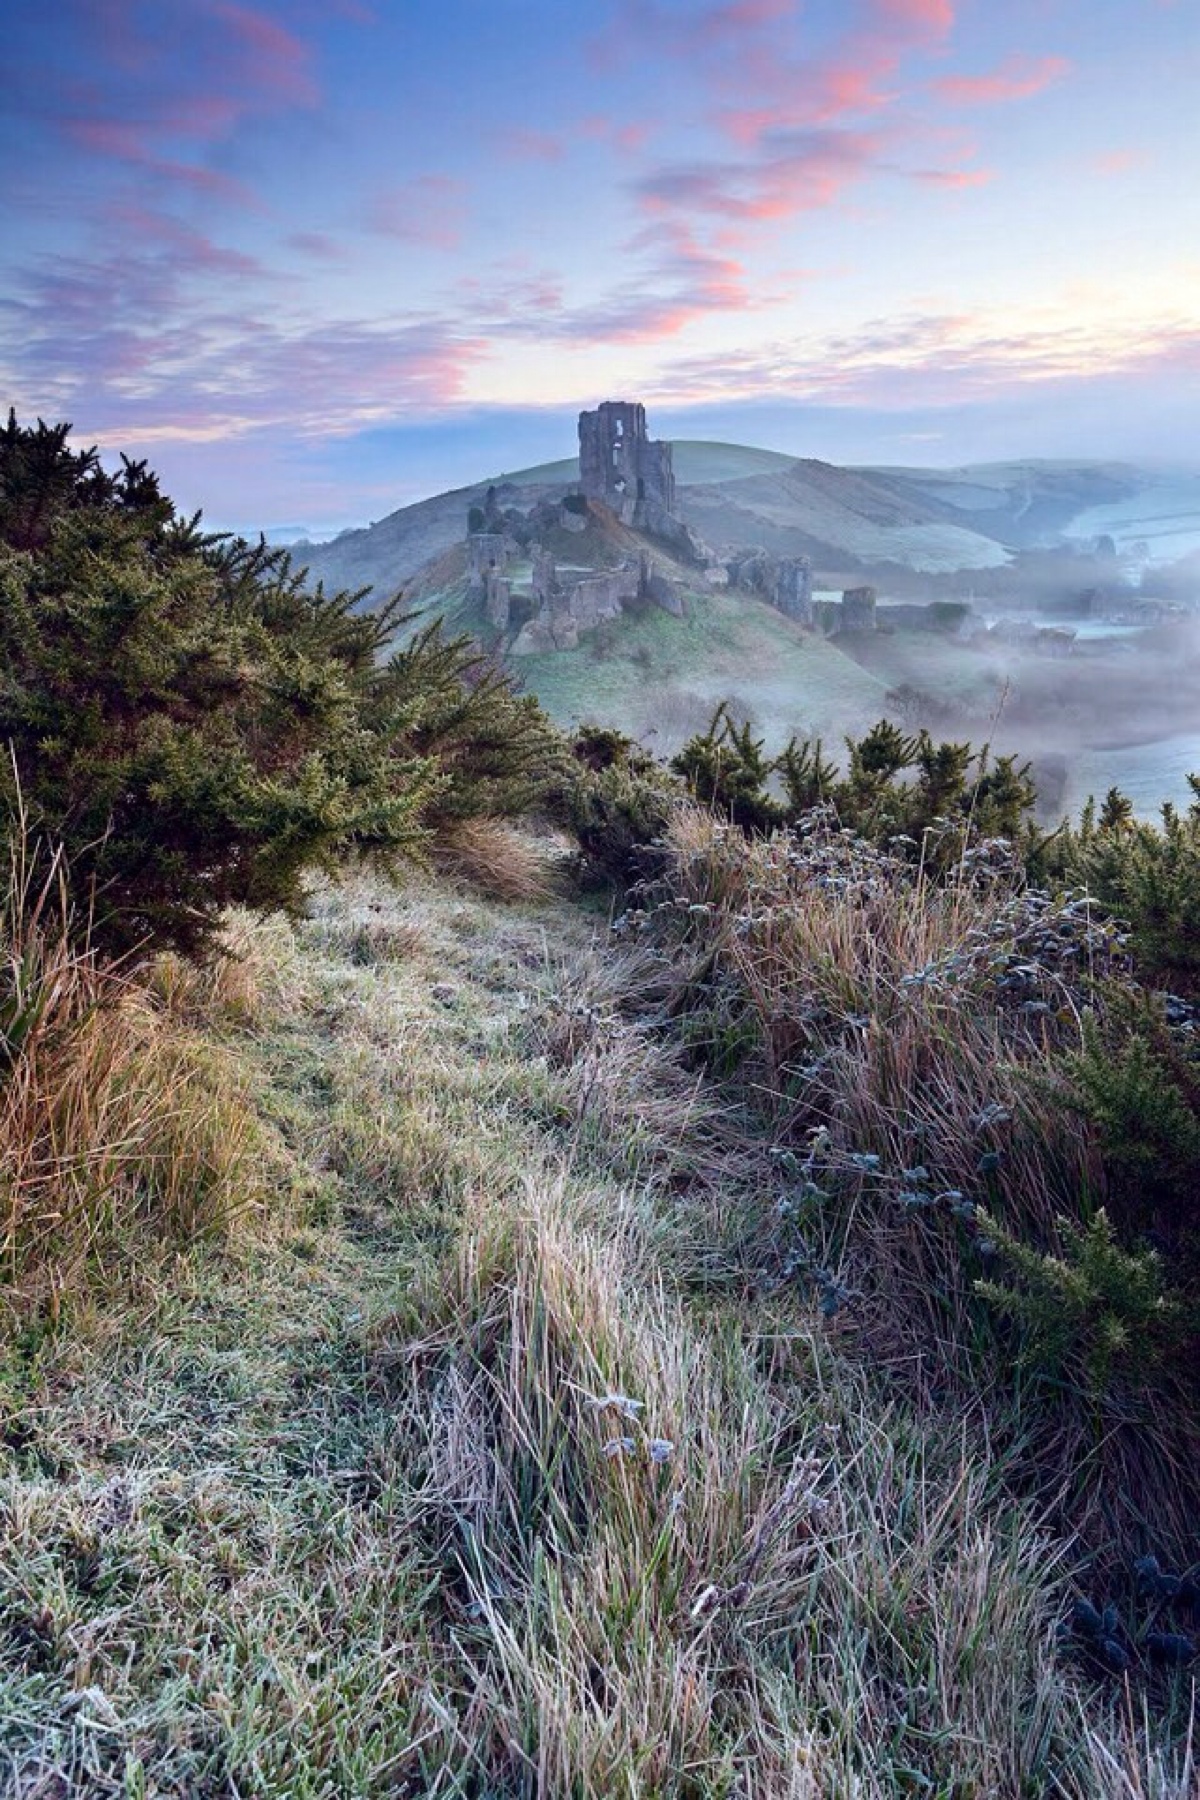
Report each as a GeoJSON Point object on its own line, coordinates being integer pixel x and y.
{"type": "Point", "coordinates": [118, 1122]}
{"type": "Point", "coordinates": [497, 860]}
{"type": "Point", "coordinates": [253, 970]}
{"type": "Point", "coordinates": [913, 1026]}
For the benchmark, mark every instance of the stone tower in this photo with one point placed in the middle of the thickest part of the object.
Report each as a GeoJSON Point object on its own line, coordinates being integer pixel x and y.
{"type": "Point", "coordinates": [624, 468]}
{"type": "Point", "coordinates": [791, 590]}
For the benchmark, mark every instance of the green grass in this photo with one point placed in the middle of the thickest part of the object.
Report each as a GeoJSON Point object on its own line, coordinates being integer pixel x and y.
{"type": "Point", "coordinates": [488, 1465]}
{"type": "Point", "coordinates": [666, 676]}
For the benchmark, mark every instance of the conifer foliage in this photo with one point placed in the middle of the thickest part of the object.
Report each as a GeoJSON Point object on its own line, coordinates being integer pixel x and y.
{"type": "Point", "coordinates": [197, 728]}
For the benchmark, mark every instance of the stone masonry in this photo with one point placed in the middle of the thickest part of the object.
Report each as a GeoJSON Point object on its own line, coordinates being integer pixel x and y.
{"type": "Point", "coordinates": [624, 468]}
{"type": "Point", "coordinates": [858, 609]}
{"type": "Point", "coordinates": [567, 602]}
{"type": "Point", "coordinates": [785, 581]}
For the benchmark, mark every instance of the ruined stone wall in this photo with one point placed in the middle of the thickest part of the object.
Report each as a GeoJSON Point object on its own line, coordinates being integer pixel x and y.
{"type": "Point", "coordinates": [487, 551]}
{"type": "Point", "coordinates": [621, 466]}
{"type": "Point", "coordinates": [567, 604]}
{"type": "Point", "coordinates": [786, 582]}
{"type": "Point", "coordinates": [791, 589]}
{"type": "Point", "coordinates": [497, 599]}
{"type": "Point", "coordinates": [858, 609]}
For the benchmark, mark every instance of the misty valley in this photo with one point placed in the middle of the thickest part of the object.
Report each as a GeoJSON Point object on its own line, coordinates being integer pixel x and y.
{"type": "Point", "coordinates": [1049, 610]}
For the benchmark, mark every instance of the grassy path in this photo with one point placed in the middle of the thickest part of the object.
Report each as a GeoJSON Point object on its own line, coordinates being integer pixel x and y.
{"type": "Point", "coordinates": [481, 1464]}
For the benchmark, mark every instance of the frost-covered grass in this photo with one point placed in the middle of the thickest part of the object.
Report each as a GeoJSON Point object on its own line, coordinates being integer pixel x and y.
{"type": "Point", "coordinates": [488, 1463]}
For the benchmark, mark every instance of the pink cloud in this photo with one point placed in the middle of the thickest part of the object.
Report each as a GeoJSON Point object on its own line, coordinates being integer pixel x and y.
{"type": "Point", "coordinates": [954, 178]}
{"type": "Point", "coordinates": [168, 86]}
{"type": "Point", "coordinates": [805, 129]}
{"type": "Point", "coordinates": [108, 138]}
{"type": "Point", "coordinates": [1119, 162]}
{"type": "Point", "coordinates": [679, 280]}
{"type": "Point", "coordinates": [138, 342]}
{"type": "Point", "coordinates": [428, 210]}
{"type": "Point", "coordinates": [942, 359]}
{"type": "Point", "coordinates": [628, 138]}
{"type": "Point", "coordinates": [1016, 78]}
{"type": "Point", "coordinates": [648, 24]}
{"type": "Point", "coordinates": [281, 62]}
{"type": "Point", "coordinates": [933, 18]}
{"type": "Point", "coordinates": [796, 172]}
{"type": "Point", "coordinates": [527, 145]}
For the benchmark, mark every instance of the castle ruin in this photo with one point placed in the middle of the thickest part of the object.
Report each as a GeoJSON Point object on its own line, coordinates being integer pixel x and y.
{"type": "Point", "coordinates": [487, 579]}
{"type": "Point", "coordinates": [786, 582]}
{"type": "Point", "coordinates": [624, 468]}
{"type": "Point", "coordinates": [567, 602]}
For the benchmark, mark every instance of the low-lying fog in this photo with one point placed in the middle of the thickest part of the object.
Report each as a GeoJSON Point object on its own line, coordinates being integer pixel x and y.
{"type": "Point", "coordinates": [1120, 709]}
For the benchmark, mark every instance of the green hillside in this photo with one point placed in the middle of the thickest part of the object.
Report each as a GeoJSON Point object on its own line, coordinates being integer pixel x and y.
{"type": "Point", "coordinates": [660, 677]}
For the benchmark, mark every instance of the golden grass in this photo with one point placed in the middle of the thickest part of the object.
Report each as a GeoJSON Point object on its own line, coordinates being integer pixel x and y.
{"type": "Point", "coordinates": [899, 1038]}
{"type": "Point", "coordinates": [119, 1124]}
{"type": "Point", "coordinates": [497, 860]}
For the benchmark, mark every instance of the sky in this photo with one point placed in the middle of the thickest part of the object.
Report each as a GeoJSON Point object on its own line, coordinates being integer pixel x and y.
{"type": "Point", "coordinates": [318, 258]}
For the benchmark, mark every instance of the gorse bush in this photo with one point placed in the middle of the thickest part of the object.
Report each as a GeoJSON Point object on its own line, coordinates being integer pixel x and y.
{"type": "Point", "coordinates": [1094, 1310]}
{"type": "Point", "coordinates": [1136, 1081]}
{"type": "Point", "coordinates": [924, 800]}
{"type": "Point", "coordinates": [444, 701]}
{"type": "Point", "coordinates": [1149, 875]}
{"type": "Point", "coordinates": [198, 729]}
{"type": "Point", "coordinates": [616, 801]}
{"type": "Point", "coordinates": [725, 768]}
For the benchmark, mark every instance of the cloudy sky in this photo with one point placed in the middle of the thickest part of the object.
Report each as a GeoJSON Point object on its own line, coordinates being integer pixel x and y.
{"type": "Point", "coordinates": [317, 258]}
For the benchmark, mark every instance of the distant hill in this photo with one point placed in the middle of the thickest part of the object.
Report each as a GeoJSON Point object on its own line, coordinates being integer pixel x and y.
{"type": "Point", "coordinates": [867, 523]}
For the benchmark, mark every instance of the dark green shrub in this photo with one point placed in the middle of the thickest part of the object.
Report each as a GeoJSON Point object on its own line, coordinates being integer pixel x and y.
{"type": "Point", "coordinates": [616, 800]}
{"type": "Point", "coordinates": [1149, 875]}
{"type": "Point", "coordinates": [1096, 1312]}
{"type": "Point", "coordinates": [1140, 1093]}
{"type": "Point", "coordinates": [446, 702]}
{"type": "Point", "coordinates": [196, 728]}
{"type": "Point", "coordinates": [725, 768]}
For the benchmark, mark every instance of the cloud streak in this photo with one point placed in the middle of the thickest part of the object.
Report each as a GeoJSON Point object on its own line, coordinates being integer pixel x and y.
{"type": "Point", "coordinates": [160, 91]}
{"type": "Point", "coordinates": [1017, 78]}
{"type": "Point", "coordinates": [946, 359]}
{"type": "Point", "coordinates": [429, 210]}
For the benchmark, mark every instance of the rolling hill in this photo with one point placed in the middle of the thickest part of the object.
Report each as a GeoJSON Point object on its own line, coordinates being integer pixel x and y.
{"type": "Point", "coordinates": [869, 523]}
{"type": "Point", "coordinates": [912, 532]}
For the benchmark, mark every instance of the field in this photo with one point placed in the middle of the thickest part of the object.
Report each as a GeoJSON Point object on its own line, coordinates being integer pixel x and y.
{"type": "Point", "coordinates": [480, 1458]}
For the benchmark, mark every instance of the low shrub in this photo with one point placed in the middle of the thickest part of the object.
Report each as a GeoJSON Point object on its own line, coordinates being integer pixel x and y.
{"type": "Point", "coordinates": [199, 730]}
{"type": "Point", "coordinates": [949, 1067]}
{"type": "Point", "coordinates": [1149, 876]}
{"type": "Point", "coordinates": [616, 802]}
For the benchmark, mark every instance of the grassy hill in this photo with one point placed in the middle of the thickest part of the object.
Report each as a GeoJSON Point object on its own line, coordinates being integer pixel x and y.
{"type": "Point", "coordinates": [860, 520]}
{"type": "Point", "coordinates": [660, 678]}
